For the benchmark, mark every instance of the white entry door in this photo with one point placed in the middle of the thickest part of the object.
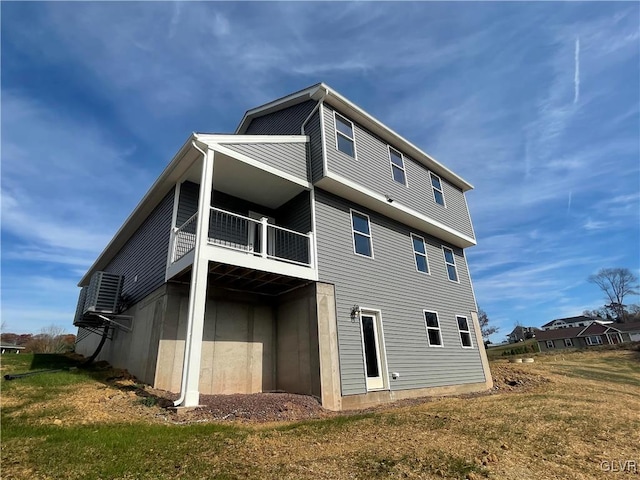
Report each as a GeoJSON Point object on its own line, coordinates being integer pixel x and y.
{"type": "Point", "coordinates": [373, 350]}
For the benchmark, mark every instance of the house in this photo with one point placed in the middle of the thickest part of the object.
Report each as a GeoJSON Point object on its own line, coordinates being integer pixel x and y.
{"type": "Point", "coordinates": [594, 334]}
{"type": "Point", "coordinates": [520, 333]}
{"type": "Point", "coordinates": [579, 321]}
{"type": "Point", "coordinates": [313, 251]}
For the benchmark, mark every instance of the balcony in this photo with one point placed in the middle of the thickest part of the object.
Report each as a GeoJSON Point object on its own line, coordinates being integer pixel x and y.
{"type": "Point", "coordinates": [245, 242]}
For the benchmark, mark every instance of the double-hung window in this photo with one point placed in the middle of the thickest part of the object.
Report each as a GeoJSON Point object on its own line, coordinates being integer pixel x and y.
{"type": "Point", "coordinates": [550, 344]}
{"type": "Point", "coordinates": [450, 261]}
{"type": "Point", "coordinates": [345, 141]}
{"type": "Point", "coordinates": [433, 329]}
{"type": "Point", "coordinates": [420, 253]}
{"type": "Point", "coordinates": [465, 332]}
{"type": "Point", "coordinates": [361, 234]}
{"type": "Point", "coordinates": [568, 342]}
{"type": "Point", "coordinates": [438, 194]}
{"type": "Point", "coordinates": [594, 340]}
{"type": "Point", "coordinates": [397, 166]}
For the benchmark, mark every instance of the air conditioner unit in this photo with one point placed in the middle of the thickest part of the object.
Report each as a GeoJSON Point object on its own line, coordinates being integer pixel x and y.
{"type": "Point", "coordinates": [77, 319]}
{"type": "Point", "coordinates": [103, 293]}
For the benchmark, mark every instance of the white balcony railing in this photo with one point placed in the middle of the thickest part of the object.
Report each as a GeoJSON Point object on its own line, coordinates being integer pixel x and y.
{"type": "Point", "coordinates": [249, 235]}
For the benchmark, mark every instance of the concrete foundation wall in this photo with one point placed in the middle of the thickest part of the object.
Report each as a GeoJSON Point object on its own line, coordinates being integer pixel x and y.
{"type": "Point", "coordinates": [135, 351]}
{"type": "Point", "coordinates": [297, 367]}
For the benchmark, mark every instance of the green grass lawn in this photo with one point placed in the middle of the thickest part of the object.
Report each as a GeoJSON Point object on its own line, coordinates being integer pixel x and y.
{"type": "Point", "coordinates": [560, 429]}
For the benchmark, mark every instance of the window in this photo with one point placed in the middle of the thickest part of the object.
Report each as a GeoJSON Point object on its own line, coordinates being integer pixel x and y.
{"type": "Point", "coordinates": [594, 340]}
{"type": "Point", "coordinates": [420, 253]}
{"type": "Point", "coordinates": [438, 194]}
{"type": "Point", "coordinates": [465, 333]}
{"type": "Point", "coordinates": [550, 344]}
{"type": "Point", "coordinates": [568, 342]}
{"type": "Point", "coordinates": [344, 136]}
{"type": "Point", "coordinates": [450, 261]}
{"type": "Point", "coordinates": [361, 234]}
{"type": "Point", "coordinates": [433, 329]}
{"type": "Point", "coordinates": [397, 166]}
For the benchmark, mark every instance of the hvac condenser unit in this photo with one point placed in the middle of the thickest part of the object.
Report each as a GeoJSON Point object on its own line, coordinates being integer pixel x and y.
{"type": "Point", "coordinates": [103, 293]}
{"type": "Point", "coordinates": [77, 319]}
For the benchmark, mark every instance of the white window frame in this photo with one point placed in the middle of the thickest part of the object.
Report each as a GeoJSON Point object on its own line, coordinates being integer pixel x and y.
{"type": "Point", "coordinates": [426, 258]}
{"type": "Point", "coordinates": [550, 344]}
{"type": "Point", "coordinates": [427, 328]}
{"type": "Point", "coordinates": [568, 342]}
{"type": "Point", "coordinates": [446, 264]}
{"type": "Point", "coordinates": [354, 232]}
{"type": "Point", "coordinates": [403, 168]}
{"type": "Point", "coordinates": [597, 342]}
{"type": "Point", "coordinates": [441, 189]}
{"type": "Point", "coordinates": [353, 133]}
{"type": "Point", "coordinates": [468, 331]}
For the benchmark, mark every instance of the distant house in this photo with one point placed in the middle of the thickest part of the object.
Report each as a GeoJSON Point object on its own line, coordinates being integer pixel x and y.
{"type": "Point", "coordinates": [596, 333]}
{"type": "Point", "coordinates": [521, 333]}
{"type": "Point", "coordinates": [579, 321]}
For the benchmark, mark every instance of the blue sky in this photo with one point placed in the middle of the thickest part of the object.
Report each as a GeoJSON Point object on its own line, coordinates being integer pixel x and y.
{"type": "Point", "coordinates": [536, 104]}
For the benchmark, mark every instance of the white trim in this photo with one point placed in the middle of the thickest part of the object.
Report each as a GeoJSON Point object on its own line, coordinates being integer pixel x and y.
{"type": "Point", "coordinates": [441, 190]}
{"type": "Point", "coordinates": [468, 331]}
{"type": "Point", "coordinates": [314, 229]}
{"type": "Point", "coordinates": [353, 133]}
{"type": "Point", "coordinates": [446, 264]}
{"type": "Point", "coordinates": [426, 257]}
{"type": "Point", "coordinates": [403, 168]}
{"type": "Point", "coordinates": [323, 134]}
{"type": "Point", "coordinates": [570, 344]}
{"type": "Point", "coordinates": [257, 164]}
{"type": "Point", "coordinates": [239, 139]}
{"type": "Point", "coordinates": [174, 217]}
{"type": "Point", "coordinates": [382, 350]}
{"type": "Point", "coordinates": [553, 345]}
{"type": "Point", "coordinates": [427, 328]}
{"type": "Point", "coordinates": [353, 233]}
{"type": "Point", "coordinates": [391, 210]}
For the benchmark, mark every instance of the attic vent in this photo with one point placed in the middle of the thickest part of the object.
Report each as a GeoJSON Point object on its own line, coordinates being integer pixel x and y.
{"type": "Point", "coordinates": [103, 293]}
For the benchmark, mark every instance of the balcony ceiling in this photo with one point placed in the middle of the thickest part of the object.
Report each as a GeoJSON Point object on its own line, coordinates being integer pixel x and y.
{"type": "Point", "coordinates": [237, 178]}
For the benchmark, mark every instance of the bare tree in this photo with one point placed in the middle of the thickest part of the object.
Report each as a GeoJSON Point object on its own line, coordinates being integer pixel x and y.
{"type": "Point", "coordinates": [485, 328]}
{"type": "Point", "coordinates": [616, 283]}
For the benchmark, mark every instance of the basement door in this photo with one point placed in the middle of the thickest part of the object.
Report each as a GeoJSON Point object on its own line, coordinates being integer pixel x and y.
{"type": "Point", "coordinates": [373, 349]}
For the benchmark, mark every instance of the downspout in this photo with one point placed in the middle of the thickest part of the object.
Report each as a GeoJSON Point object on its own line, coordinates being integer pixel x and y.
{"type": "Point", "coordinates": [187, 341]}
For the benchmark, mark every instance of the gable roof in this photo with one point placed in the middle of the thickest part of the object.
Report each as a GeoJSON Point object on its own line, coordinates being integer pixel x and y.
{"type": "Point", "coordinates": [559, 333]}
{"type": "Point", "coordinates": [578, 319]}
{"type": "Point", "coordinates": [321, 92]}
{"type": "Point", "coordinates": [593, 329]}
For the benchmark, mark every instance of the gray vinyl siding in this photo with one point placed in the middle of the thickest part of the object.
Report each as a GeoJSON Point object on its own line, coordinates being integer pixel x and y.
{"type": "Point", "coordinates": [287, 121]}
{"type": "Point", "coordinates": [389, 282]}
{"type": "Point", "coordinates": [188, 202]}
{"type": "Point", "coordinates": [314, 132]}
{"type": "Point", "coordinates": [145, 254]}
{"type": "Point", "coordinates": [290, 158]}
{"type": "Point", "coordinates": [372, 169]}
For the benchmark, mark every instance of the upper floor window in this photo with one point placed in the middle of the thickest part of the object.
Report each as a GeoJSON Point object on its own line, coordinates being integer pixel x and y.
{"type": "Point", "coordinates": [361, 234]}
{"type": "Point", "coordinates": [433, 329]}
{"type": "Point", "coordinates": [438, 194]}
{"type": "Point", "coordinates": [450, 261]}
{"type": "Point", "coordinates": [465, 332]}
{"type": "Point", "coordinates": [420, 253]}
{"type": "Point", "coordinates": [397, 166]}
{"type": "Point", "coordinates": [345, 141]}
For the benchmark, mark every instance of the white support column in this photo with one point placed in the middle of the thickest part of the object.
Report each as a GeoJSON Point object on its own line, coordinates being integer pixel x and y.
{"type": "Point", "coordinates": [198, 291]}
{"type": "Point", "coordinates": [264, 221]}
{"type": "Point", "coordinates": [312, 254]}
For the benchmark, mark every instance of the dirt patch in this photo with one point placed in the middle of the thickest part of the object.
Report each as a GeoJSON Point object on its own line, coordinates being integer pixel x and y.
{"type": "Point", "coordinates": [510, 377]}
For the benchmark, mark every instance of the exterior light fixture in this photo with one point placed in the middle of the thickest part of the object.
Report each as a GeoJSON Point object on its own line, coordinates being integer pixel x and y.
{"type": "Point", "coordinates": [355, 311]}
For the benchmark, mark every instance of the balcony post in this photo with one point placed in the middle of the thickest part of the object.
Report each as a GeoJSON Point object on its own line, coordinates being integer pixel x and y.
{"type": "Point", "coordinates": [263, 237]}
{"type": "Point", "coordinates": [312, 253]}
